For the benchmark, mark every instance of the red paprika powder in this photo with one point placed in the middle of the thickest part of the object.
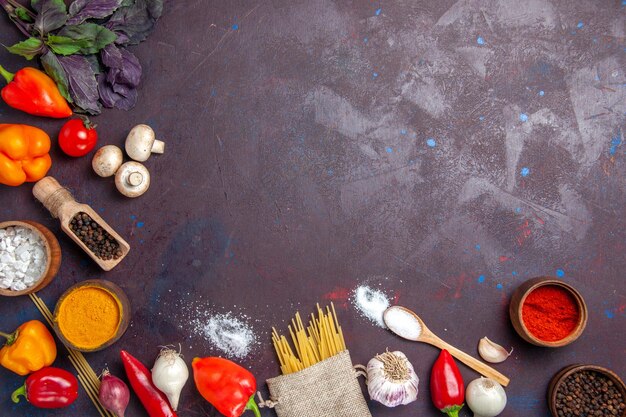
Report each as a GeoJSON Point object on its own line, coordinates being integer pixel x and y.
{"type": "Point", "coordinates": [550, 313]}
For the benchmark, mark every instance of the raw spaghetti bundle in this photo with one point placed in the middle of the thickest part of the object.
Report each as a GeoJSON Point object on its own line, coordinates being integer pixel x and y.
{"type": "Point", "coordinates": [318, 377]}
{"type": "Point", "coordinates": [323, 340]}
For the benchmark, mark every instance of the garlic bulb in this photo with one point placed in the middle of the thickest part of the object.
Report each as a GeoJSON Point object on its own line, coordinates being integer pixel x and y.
{"type": "Point", "coordinates": [492, 352]}
{"type": "Point", "coordinates": [391, 379]}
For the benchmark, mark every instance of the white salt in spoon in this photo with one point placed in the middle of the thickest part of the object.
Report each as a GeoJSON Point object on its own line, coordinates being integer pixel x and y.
{"type": "Point", "coordinates": [408, 325]}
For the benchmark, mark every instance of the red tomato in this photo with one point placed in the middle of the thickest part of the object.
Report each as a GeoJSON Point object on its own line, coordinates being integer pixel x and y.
{"type": "Point", "coordinates": [77, 137]}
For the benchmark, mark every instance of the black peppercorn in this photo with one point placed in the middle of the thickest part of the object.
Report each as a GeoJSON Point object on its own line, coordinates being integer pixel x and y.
{"type": "Point", "coordinates": [97, 240]}
{"type": "Point", "coordinates": [589, 393]}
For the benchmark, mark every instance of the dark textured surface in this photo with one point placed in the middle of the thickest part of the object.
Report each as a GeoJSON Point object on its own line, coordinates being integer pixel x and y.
{"type": "Point", "coordinates": [297, 167]}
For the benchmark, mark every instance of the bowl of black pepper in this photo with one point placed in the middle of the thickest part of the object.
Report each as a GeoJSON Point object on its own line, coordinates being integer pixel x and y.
{"type": "Point", "coordinates": [586, 390]}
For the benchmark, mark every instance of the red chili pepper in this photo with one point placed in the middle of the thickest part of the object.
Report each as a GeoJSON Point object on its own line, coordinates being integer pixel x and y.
{"type": "Point", "coordinates": [48, 388]}
{"type": "Point", "coordinates": [446, 385]}
{"type": "Point", "coordinates": [226, 385]}
{"type": "Point", "coordinates": [33, 92]}
{"type": "Point", "coordinates": [153, 400]}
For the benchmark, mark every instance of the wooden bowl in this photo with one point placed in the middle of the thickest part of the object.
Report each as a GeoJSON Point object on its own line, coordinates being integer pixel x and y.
{"type": "Point", "coordinates": [122, 303]}
{"type": "Point", "coordinates": [53, 256]}
{"type": "Point", "coordinates": [517, 301]}
{"type": "Point", "coordinates": [562, 375]}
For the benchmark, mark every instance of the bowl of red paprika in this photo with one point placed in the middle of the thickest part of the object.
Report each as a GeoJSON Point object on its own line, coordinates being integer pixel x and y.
{"type": "Point", "coordinates": [548, 312]}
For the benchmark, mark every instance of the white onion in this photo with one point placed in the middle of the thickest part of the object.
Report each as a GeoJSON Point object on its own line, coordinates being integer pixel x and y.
{"type": "Point", "coordinates": [169, 374]}
{"type": "Point", "coordinates": [485, 397]}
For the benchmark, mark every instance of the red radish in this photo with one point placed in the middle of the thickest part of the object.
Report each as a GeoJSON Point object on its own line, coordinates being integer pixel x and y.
{"type": "Point", "coordinates": [114, 394]}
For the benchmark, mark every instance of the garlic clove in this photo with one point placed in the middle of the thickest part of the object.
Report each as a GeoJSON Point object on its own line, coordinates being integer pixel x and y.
{"type": "Point", "coordinates": [492, 352]}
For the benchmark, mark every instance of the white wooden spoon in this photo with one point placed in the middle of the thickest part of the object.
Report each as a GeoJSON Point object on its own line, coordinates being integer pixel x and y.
{"type": "Point", "coordinates": [408, 325]}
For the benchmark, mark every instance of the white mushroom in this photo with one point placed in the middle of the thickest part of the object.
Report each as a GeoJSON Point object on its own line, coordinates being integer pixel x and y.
{"type": "Point", "coordinates": [132, 179]}
{"type": "Point", "coordinates": [141, 142]}
{"type": "Point", "coordinates": [107, 160]}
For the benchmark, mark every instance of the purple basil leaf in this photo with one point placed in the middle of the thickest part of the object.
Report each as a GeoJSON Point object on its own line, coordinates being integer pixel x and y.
{"type": "Point", "coordinates": [82, 82]}
{"type": "Point", "coordinates": [122, 39]}
{"type": "Point", "coordinates": [128, 102]}
{"type": "Point", "coordinates": [112, 74]}
{"type": "Point", "coordinates": [108, 97]}
{"type": "Point", "coordinates": [136, 19]}
{"type": "Point", "coordinates": [122, 89]}
{"type": "Point", "coordinates": [111, 99]}
{"type": "Point", "coordinates": [51, 15]}
{"type": "Point", "coordinates": [111, 56]}
{"type": "Point", "coordinates": [81, 10]}
{"type": "Point", "coordinates": [130, 73]}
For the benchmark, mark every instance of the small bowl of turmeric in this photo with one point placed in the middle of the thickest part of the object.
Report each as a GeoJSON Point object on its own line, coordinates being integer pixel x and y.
{"type": "Point", "coordinates": [91, 315]}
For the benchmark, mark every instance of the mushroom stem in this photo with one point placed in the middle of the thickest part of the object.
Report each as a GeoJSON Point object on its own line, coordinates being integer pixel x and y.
{"type": "Point", "coordinates": [158, 146]}
{"type": "Point", "coordinates": [134, 178]}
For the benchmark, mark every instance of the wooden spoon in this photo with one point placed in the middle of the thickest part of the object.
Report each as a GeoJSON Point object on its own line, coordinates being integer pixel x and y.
{"type": "Point", "coordinates": [408, 325]}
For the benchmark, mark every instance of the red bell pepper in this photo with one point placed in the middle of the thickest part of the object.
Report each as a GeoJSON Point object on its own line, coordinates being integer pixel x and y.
{"type": "Point", "coordinates": [48, 388]}
{"type": "Point", "coordinates": [226, 385]}
{"type": "Point", "coordinates": [33, 92]}
{"type": "Point", "coordinates": [153, 400]}
{"type": "Point", "coordinates": [446, 385]}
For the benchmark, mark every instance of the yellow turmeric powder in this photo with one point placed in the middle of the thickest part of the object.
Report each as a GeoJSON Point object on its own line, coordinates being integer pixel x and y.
{"type": "Point", "coordinates": [89, 317]}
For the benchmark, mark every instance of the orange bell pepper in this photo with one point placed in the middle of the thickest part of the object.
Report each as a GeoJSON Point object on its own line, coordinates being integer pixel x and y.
{"type": "Point", "coordinates": [23, 154]}
{"type": "Point", "coordinates": [28, 349]}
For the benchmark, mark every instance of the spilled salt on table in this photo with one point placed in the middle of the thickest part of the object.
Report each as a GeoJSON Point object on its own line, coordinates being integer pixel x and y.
{"type": "Point", "coordinates": [403, 323]}
{"type": "Point", "coordinates": [231, 335]}
{"type": "Point", "coordinates": [371, 303]}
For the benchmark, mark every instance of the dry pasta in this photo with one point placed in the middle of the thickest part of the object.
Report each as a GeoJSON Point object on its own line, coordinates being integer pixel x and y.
{"type": "Point", "coordinates": [320, 340]}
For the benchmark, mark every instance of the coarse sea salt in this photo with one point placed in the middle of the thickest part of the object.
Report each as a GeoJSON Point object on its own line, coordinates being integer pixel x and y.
{"type": "Point", "coordinates": [403, 323]}
{"type": "Point", "coordinates": [371, 303]}
{"type": "Point", "coordinates": [22, 258]}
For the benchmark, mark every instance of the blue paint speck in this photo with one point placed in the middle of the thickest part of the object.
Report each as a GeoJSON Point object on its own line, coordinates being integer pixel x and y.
{"type": "Point", "coordinates": [389, 149]}
{"type": "Point", "coordinates": [377, 12]}
{"type": "Point", "coordinates": [609, 313]}
{"type": "Point", "coordinates": [623, 2]}
{"type": "Point", "coordinates": [580, 25]}
{"type": "Point", "coordinates": [374, 74]}
{"type": "Point", "coordinates": [477, 247]}
{"type": "Point", "coordinates": [615, 142]}
{"type": "Point", "coordinates": [499, 286]}
{"type": "Point", "coordinates": [431, 142]}
{"type": "Point", "coordinates": [213, 92]}
{"type": "Point", "coordinates": [481, 118]}
{"type": "Point", "coordinates": [523, 117]}
{"type": "Point", "coordinates": [140, 225]}
{"type": "Point", "coordinates": [133, 217]}
{"type": "Point", "coordinates": [542, 93]}
{"type": "Point", "coordinates": [330, 172]}
{"type": "Point", "coordinates": [514, 273]}
{"type": "Point", "coordinates": [365, 40]}
{"type": "Point", "coordinates": [525, 171]}
{"type": "Point", "coordinates": [597, 77]}
{"type": "Point", "coordinates": [518, 209]}
{"type": "Point", "coordinates": [235, 26]}
{"type": "Point", "coordinates": [480, 40]}
{"type": "Point", "coordinates": [560, 273]}
{"type": "Point", "coordinates": [403, 132]}
{"type": "Point", "coordinates": [481, 279]}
